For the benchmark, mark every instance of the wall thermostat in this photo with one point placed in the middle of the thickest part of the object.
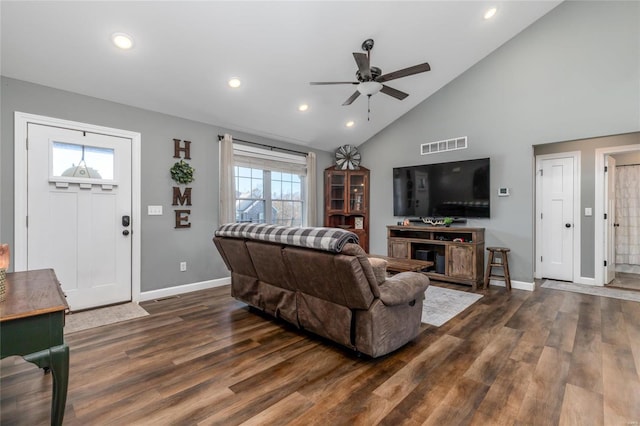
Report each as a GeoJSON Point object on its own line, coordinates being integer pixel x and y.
{"type": "Point", "coordinates": [503, 192]}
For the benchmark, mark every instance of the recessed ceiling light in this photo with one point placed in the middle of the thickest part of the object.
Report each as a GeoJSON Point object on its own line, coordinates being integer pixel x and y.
{"type": "Point", "coordinates": [490, 13]}
{"type": "Point", "coordinates": [303, 107]}
{"type": "Point", "coordinates": [122, 40]}
{"type": "Point", "coordinates": [350, 123]}
{"type": "Point", "coordinates": [235, 83]}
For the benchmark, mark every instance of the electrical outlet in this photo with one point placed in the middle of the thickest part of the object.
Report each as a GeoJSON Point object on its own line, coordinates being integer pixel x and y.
{"type": "Point", "coordinates": [183, 266]}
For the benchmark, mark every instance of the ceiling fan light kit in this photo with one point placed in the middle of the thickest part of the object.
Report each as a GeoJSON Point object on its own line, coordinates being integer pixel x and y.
{"type": "Point", "coordinates": [369, 87]}
{"type": "Point", "coordinates": [370, 79]}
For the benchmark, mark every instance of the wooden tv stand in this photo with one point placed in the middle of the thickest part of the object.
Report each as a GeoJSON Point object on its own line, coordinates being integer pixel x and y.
{"type": "Point", "coordinates": [460, 262]}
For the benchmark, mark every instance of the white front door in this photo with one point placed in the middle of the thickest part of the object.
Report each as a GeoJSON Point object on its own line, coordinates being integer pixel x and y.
{"type": "Point", "coordinates": [609, 223]}
{"type": "Point", "coordinates": [557, 218]}
{"type": "Point", "coordinates": [79, 212]}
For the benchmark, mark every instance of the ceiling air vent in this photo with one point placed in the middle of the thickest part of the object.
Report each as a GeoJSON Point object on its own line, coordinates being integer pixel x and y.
{"type": "Point", "coordinates": [442, 146]}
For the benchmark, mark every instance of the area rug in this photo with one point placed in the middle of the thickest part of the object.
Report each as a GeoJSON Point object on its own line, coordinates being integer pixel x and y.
{"type": "Point", "coordinates": [102, 316]}
{"type": "Point", "coordinates": [442, 304]}
{"type": "Point", "coordinates": [593, 290]}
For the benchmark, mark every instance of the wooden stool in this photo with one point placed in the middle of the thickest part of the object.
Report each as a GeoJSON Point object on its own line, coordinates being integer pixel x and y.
{"type": "Point", "coordinates": [503, 257]}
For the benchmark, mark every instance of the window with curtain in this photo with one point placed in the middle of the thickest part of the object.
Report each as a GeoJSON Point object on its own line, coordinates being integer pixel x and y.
{"type": "Point", "coordinates": [270, 187]}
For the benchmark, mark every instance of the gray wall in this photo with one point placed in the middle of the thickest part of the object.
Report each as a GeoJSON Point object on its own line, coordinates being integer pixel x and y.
{"type": "Point", "coordinates": [163, 247]}
{"type": "Point", "coordinates": [587, 149]}
{"type": "Point", "coordinates": [573, 74]}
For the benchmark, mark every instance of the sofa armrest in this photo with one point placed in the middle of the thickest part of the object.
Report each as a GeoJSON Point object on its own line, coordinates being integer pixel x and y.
{"type": "Point", "coordinates": [403, 288]}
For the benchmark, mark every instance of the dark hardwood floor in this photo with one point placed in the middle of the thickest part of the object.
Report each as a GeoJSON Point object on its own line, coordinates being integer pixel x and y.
{"type": "Point", "coordinates": [545, 357]}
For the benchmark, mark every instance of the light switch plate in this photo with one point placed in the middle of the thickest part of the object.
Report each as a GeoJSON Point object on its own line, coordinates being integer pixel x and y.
{"type": "Point", "coordinates": [588, 211]}
{"type": "Point", "coordinates": [154, 210]}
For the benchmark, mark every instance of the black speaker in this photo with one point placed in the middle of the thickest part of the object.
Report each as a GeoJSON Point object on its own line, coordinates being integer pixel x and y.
{"type": "Point", "coordinates": [439, 264]}
{"type": "Point", "coordinates": [424, 255]}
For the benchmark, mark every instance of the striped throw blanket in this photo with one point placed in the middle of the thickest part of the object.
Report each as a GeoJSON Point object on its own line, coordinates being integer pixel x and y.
{"type": "Point", "coordinates": [328, 239]}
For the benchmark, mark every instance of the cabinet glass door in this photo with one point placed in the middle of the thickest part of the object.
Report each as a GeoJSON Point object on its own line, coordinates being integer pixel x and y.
{"type": "Point", "coordinates": [337, 191]}
{"type": "Point", "coordinates": [357, 194]}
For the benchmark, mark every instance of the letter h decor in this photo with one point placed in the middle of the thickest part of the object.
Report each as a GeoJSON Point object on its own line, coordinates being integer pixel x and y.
{"type": "Point", "coordinates": [186, 149]}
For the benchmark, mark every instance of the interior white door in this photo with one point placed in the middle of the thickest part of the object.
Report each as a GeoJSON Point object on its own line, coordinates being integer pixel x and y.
{"type": "Point", "coordinates": [79, 209]}
{"type": "Point", "coordinates": [557, 219]}
{"type": "Point", "coordinates": [609, 222]}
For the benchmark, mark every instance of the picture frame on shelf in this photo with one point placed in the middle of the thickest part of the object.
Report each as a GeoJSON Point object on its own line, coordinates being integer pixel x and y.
{"type": "Point", "coordinates": [358, 223]}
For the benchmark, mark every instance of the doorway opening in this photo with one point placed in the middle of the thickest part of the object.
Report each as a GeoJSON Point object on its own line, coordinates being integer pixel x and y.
{"type": "Point", "coordinates": [617, 234]}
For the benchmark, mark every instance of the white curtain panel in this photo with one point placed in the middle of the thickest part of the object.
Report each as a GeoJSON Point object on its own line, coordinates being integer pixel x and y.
{"type": "Point", "coordinates": [227, 213]}
{"type": "Point", "coordinates": [628, 215]}
{"type": "Point", "coordinates": [312, 191]}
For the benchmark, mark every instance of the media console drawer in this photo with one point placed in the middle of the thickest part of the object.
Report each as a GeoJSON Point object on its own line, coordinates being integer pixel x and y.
{"type": "Point", "coordinates": [461, 248]}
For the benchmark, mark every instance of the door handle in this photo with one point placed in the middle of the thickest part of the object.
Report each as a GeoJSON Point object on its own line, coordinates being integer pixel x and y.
{"type": "Point", "coordinates": [125, 232]}
{"type": "Point", "coordinates": [126, 221]}
{"type": "Point", "coordinates": [567, 225]}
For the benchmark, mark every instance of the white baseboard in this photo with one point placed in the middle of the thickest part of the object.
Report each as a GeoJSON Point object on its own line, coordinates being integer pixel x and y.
{"type": "Point", "coordinates": [520, 285]}
{"type": "Point", "coordinates": [180, 289]}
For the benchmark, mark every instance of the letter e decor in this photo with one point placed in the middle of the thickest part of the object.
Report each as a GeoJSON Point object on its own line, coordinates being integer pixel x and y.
{"type": "Point", "coordinates": [182, 219]}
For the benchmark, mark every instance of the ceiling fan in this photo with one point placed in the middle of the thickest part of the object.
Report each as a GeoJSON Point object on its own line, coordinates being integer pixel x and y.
{"type": "Point", "coordinates": [370, 79]}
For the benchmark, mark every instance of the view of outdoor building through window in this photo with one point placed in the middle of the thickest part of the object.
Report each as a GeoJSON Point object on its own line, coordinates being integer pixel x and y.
{"type": "Point", "coordinates": [266, 196]}
{"type": "Point", "coordinates": [82, 161]}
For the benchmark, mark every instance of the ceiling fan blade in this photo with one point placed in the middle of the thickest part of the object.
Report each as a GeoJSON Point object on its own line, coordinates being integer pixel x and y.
{"type": "Point", "coordinates": [351, 98]}
{"type": "Point", "coordinates": [404, 72]}
{"type": "Point", "coordinates": [318, 83]}
{"type": "Point", "coordinates": [393, 92]}
{"type": "Point", "coordinates": [363, 64]}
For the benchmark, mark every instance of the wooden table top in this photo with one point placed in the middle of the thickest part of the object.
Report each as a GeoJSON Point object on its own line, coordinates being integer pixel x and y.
{"type": "Point", "coordinates": [32, 293]}
{"type": "Point", "coordinates": [395, 264]}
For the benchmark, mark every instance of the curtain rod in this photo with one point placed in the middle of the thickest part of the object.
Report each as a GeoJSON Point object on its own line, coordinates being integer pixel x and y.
{"type": "Point", "coordinates": [271, 147]}
{"type": "Point", "coordinates": [628, 165]}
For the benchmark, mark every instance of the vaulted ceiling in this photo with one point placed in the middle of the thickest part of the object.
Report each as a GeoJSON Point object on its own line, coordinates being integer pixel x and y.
{"type": "Point", "coordinates": [184, 53]}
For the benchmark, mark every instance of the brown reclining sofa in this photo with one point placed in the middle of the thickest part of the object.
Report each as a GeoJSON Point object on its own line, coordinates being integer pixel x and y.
{"type": "Point", "coordinates": [320, 280]}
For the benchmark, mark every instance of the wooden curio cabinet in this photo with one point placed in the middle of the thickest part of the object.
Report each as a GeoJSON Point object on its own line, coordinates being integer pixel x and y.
{"type": "Point", "coordinates": [346, 201]}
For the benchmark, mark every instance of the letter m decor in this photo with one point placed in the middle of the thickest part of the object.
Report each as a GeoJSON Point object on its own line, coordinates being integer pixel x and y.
{"type": "Point", "coordinates": [180, 198]}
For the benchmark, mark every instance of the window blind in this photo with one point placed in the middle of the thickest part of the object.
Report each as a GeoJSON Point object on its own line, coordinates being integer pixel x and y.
{"type": "Point", "coordinates": [258, 158]}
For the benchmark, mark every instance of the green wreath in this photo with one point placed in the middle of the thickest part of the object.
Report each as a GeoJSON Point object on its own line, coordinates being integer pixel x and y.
{"type": "Point", "coordinates": [182, 172]}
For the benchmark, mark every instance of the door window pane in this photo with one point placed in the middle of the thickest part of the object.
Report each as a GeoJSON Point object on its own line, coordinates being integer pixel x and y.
{"type": "Point", "coordinates": [82, 161]}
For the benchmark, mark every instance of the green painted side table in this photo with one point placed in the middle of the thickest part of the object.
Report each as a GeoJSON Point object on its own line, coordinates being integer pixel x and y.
{"type": "Point", "coordinates": [31, 326]}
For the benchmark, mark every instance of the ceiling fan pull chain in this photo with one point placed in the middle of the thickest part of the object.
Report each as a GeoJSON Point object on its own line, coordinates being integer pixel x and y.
{"type": "Point", "coordinates": [368, 107]}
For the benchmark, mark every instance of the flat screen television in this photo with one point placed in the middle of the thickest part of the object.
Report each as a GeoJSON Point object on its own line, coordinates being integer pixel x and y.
{"type": "Point", "coordinates": [459, 189]}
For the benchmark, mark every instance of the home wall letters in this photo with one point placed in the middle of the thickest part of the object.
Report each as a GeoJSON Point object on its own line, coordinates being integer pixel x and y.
{"type": "Point", "coordinates": [182, 173]}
